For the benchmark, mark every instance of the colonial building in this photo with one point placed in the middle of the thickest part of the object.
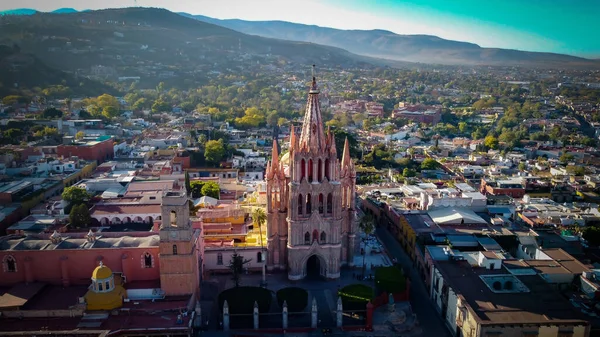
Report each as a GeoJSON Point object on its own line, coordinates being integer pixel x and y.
{"type": "Point", "coordinates": [310, 201]}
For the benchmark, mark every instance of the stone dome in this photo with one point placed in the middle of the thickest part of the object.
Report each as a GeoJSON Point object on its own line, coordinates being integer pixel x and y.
{"type": "Point", "coordinates": [101, 272]}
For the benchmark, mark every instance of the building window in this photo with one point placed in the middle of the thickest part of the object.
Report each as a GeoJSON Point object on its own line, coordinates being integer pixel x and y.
{"type": "Point", "coordinates": [173, 218]}
{"type": "Point", "coordinates": [308, 204]}
{"type": "Point", "coordinates": [320, 203]}
{"type": "Point", "coordinates": [315, 236]}
{"type": "Point", "coordinates": [307, 238]}
{"type": "Point", "coordinates": [327, 169]}
{"type": "Point", "coordinates": [300, 204]}
{"type": "Point", "coordinates": [329, 203]}
{"type": "Point", "coordinates": [302, 169]}
{"type": "Point", "coordinates": [174, 249]}
{"type": "Point", "coordinates": [147, 260]}
{"type": "Point", "coordinates": [107, 285]}
{"type": "Point", "coordinates": [323, 237]}
{"type": "Point", "coordinates": [100, 286]}
{"type": "Point", "coordinates": [259, 257]}
{"type": "Point", "coordinates": [219, 259]}
{"type": "Point", "coordinates": [10, 264]}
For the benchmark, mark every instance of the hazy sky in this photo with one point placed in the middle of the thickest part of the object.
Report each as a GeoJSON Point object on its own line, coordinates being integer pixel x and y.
{"type": "Point", "coordinates": [564, 26]}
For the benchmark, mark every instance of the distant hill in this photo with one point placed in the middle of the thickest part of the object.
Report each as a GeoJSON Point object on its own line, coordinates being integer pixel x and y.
{"type": "Point", "coordinates": [132, 36]}
{"type": "Point", "coordinates": [19, 11]}
{"type": "Point", "coordinates": [411, 48]}
{"type": "Point", "coordinates": [20, 73]}
{"type": "Point", "coordinates": [65, 11]}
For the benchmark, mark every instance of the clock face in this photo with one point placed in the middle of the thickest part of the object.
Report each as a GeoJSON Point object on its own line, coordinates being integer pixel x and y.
{"type": "Point", "coordinates": [173, 234]}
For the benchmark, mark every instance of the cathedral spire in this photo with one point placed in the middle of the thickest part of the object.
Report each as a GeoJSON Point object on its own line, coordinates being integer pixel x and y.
{"type": "Point", "coordinates": [275, 155]}
{"type": "Point", "coordinates": [346, 159]}
{"type": "Point", "coordinates": [292, 138]}
{"type": "Point", "coordinates": [312, 137]}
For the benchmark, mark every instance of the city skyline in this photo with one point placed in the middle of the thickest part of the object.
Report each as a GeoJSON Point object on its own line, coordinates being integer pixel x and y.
{"type": "Point", "coordinates": [523, 25]}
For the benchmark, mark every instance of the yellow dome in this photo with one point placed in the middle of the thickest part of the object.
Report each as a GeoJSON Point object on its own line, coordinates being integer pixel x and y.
{"type": "Point", "coordinates": [285, 159]}
{"type": "Point", "coordinates": [101, 272]}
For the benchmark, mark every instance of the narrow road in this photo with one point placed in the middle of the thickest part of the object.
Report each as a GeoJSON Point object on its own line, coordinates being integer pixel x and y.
{"type": "Point", "coordinates": [429, 319]}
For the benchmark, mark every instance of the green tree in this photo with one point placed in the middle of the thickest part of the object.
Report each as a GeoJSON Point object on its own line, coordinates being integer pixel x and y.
{"type": "Point", "coordinates": [491, 142]}
{"type": "Point", "coordinates": [272, 118]}
{"type": "Point", "coordinates": [14, 135]}
{"type": "Point", "coordinates": [51, 113]}
{"type": "Point", "coordinates": [110, 112]}
{"type": "Point", "coordinates": [236, 265]}
{"type": "Point", "coordinates": [214, 150]}
{"type": "Point", "coordinates": [80, 216]}
{"type": "Point", "coordinates": [75, 195]}
{"type": "Point", "coordinates": [408, 172]}
{"type": "Point", "coordinates": [160, 106]}
{"type": "Point", "coordinates": [429, 164]}
{"type": "Point", "coordinates": [79, 135]}
{"type": "Point", "coordinates": [522, 167]}
{"type": "Point", "coordinates": [252, 118]}
{"type": "Point", "coordinates": [140, 104]}
{"type": "Point", "coordinates": [258, 220]}
{"type": "Point", "coordinates": [211, 189]}
{"type": "Point", "coordinates": [566, 157]}
{"type": "Point", "coordinates": [592, 235]}
{"type": "Point", "coordinates": [462, 127]}
{"type": "Point", "coordinates": [188, 186]}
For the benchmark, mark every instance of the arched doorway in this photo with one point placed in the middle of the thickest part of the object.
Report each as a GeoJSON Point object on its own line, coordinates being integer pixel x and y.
{"type": "Point", "coordinates": [315, 268]}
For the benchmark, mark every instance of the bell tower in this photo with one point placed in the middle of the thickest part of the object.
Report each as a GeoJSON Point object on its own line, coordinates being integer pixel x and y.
{"type": "Point", "coordinates": [179, 273]}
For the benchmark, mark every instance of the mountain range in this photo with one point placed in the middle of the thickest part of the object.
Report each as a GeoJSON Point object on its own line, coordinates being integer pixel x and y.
{"type": "Point", "coordinates": [375, 46]}
{"type": "Point", "coordinates": [389, 45]}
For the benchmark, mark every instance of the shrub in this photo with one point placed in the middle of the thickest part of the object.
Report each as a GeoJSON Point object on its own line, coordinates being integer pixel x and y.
{"type": "Point", "coordinates": [390, 280]}
{"type": "Point", "coordinates": [241, 299]}
{"type": "Point", "coordinates": [296, 298]}
{"type": "Point", "coordinates": [355, 296]}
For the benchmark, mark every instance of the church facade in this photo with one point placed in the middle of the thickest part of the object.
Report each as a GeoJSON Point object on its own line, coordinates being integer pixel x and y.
{"type": "Point", "coordinates": [311, 219]}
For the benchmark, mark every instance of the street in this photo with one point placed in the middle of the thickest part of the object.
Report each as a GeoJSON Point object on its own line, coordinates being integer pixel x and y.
{"type": "Point", "coordinates": [429, 319]}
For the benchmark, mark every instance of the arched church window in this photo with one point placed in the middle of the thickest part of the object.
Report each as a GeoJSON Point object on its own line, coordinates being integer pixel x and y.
{"type": "Point", "coordinates": [107, 285]}
{"type": "Point", "coordinates": [329, 203]}
{"type": "Point", "coordinates": [174, 249]}
{"type": "Point", "coordinates": [259, 257]}
{"type": "Point", "coordinates": [302, 169]}
{"type": "Point", "coordinates": [147, 260]}
{"type": "Point", "coordinates": [320, 203]}
{"type": "Point", "coordinates": [308, 204]}
{"type": "Point", "coordinates": [10, 264]}
{"type": "Point", "coordinates": [219, 259]}
{"type": "Point", "coordinates": [307, 238]}
{"type": "Point", "coordinates": [173, 218]}
{"type": "Point", "coordinates": [320, 170]}
{"type": "Point", "coordinates": [310, 171]}
{"type": "Point", "coordinates": [327, 169]}
{"type": "Point", "coordinates": [323, 237]}
{"type": "Point", "coordinates": [100, 286]}
{"type": "Point", "coordinates": [300, 204]}
{"type": "Point", "coordinates": [315, 236]}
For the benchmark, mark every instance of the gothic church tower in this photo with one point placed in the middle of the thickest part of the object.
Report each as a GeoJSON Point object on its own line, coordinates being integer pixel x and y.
{"type": "Point", "coordinates": [310, 201]}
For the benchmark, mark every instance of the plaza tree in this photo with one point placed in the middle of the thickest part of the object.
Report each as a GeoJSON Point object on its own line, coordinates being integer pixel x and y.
{"type": "Point", "coordinates": [258, 220]}
{"type": "Point", "coordinates": [236, 265]}
{"type": "Point", "coordinates": [80, 216]}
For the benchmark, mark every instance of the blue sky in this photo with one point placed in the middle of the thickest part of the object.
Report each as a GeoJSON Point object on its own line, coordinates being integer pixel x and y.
{"type": "Point", "coordinates": [563, 26]}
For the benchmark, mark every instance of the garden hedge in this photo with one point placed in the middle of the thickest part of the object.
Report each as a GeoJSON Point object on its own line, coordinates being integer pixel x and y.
{"type": "Point", "coordinates": [296, 298]}
{"type": "Point", "coordinates": [241, 299]}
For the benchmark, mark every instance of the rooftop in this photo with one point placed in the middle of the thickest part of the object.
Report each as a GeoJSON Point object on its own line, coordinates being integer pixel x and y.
{"type": "Point", "coordinates": [540, 305]}
{"type": "Point", "coordinates": [21, 242]}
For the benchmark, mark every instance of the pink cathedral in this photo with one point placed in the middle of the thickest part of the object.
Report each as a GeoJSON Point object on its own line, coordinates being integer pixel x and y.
{"type": "Point", "coordinates": [310, 201]}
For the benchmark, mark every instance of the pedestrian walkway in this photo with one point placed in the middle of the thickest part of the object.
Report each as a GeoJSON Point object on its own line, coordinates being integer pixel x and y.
{"type": "Point", "coordinates": [432, 323]}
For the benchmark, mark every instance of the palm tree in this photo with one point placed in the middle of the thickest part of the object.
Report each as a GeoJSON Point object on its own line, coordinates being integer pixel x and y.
{"type": "Point", "coordinates": [367, 225]}
{"type": "Point", "coordinates": [258, 220]}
